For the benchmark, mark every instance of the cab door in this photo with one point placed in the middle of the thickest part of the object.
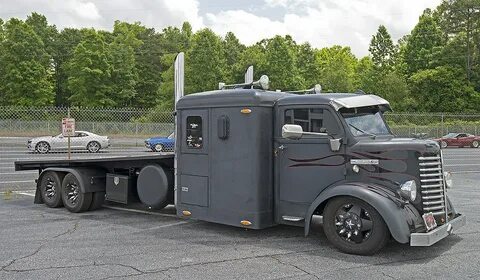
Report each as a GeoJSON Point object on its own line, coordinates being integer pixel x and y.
{"type": "Point", "coordinates": [305, 167]}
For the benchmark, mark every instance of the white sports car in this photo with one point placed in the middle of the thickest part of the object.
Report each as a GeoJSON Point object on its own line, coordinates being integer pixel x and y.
{"type": "Point", "coordinates": [81, 141]}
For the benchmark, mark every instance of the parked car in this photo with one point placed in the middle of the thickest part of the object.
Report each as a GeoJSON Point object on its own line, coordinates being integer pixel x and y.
{"type": "Point", "coordinates": [161, 144]}
{"type": "Point", "coordinates": [459, 140]}
{"type": "Point", "coordinates": [82, 140]}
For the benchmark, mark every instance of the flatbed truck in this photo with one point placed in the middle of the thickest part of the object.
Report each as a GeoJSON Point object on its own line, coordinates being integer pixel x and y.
{"type": "Point", "coordinates": [253, 158]}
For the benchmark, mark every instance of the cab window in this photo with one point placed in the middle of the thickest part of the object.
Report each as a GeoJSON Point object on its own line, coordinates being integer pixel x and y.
{"type": "Point", "coordinates": [312, 120]}
{"type": "Point", "coordinates": [194, 137]}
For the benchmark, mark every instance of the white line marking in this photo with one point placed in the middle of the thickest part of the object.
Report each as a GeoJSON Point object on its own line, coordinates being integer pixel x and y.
{"type": "Point", "coordinates": [164, 226]}
{"type": "Point", "coordinates": [464, 172]}
{"type": "Point", "coordinates": [16, 182]}
{"type": "Point", "coordinates": [19, 173]}
{"type": "Point", "coordinates": [464, 164]}
{"type": "Point", "coordinates": [27, 194]}
{"type": "Point", "coordinates": [139, 211]}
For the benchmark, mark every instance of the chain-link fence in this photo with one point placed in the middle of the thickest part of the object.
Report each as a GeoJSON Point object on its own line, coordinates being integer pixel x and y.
{"type": "Point", "coordinates": [131, 126]}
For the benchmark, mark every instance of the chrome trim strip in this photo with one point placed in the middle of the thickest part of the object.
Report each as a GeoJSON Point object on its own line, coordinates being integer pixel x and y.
{"type": "Point", "coordinates": [430, 163]}
{"type": "Point", "coordinates": [433, 202]}
{"type": "Point", "coordinates": [434, 208]}
{"type": "Point", "coordinates": [431, 180]}
{"type": "Point", "coordinates": [428, 158]}
{"type": "Point", "coordinates": [430, 174]}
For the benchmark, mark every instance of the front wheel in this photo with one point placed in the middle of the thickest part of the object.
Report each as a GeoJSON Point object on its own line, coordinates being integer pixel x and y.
{"type": "Point", "coordinates": [354, 227]}
{"type": "Point", "coordinates": [475, 144]}
{"type": "Point", "coordinates": [158, 147]}
{"type": "Point", "coordinates": [42, 147]}
{"type": "Point", "coordinates": [443, 144]}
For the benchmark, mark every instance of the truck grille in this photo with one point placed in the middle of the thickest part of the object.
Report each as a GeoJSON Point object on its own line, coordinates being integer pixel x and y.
{"type": "Point", "coordinates": [432, 185]}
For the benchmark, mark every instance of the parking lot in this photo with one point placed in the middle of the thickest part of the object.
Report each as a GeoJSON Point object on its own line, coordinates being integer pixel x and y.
{"type": "Point", "coordinates": [37, 242]}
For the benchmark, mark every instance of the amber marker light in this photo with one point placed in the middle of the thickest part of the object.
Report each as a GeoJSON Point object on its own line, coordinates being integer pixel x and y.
{"type": "Point", "coordinates": [186, 213]}
{"type": "Point", "coordinates": [246, 111]}
{"type": "Point", "coordinates": [245, 223]}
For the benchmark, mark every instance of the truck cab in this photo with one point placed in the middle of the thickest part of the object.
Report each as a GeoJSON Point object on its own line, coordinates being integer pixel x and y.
{"type": "Point", "coordinates": [256, 158]}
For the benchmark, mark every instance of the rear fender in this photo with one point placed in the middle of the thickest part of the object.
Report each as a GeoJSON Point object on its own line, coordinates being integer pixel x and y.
{"type": "Point", "coordinates": [399, 217]}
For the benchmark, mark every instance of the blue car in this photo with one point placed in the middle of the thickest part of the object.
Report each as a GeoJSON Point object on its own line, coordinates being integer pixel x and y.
{"type": "Point", "coordinates": [161, 144]}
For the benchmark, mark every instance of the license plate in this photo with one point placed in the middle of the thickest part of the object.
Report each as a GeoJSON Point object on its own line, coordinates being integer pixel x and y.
{"type": "Point", "coordinates": [429, 221]}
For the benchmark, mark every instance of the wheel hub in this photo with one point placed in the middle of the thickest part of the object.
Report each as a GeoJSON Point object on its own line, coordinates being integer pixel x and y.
{"type": "Point", "coordinates": [350, 227]}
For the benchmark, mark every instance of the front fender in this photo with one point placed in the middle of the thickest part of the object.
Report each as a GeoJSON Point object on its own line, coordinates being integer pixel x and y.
{"type": "Point", "coordinates": [399, 217]}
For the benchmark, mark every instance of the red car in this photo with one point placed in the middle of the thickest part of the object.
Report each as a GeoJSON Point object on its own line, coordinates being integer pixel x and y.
{"type": "Point", "coordinates": [459, 140]}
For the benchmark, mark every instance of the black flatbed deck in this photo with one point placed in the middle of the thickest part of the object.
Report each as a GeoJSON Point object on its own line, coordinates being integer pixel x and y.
{"type": "Point", "coordinates": [106, 162]}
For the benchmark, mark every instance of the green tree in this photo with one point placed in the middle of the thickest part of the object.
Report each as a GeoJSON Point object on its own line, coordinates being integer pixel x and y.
{"type": "Point", "coordinates": [232, 50]}
{"type": "Point", "coordinates": [307, 66]}
{"type": "Point", "coordinates": [253, 55]}
{"type": "Point", "coordinates": [205, 63]}
{"type": "Point", "coordinates": [1, 30]}
{"type": "Point", "coordinates": [337, 69]}
{"type": "Point", "coordinates": [443, 89]}
{"type": "Point", "coordinates": [47, 33]}
{"type": "Point", "coordinates": [89, 72]}
{"type": "Point", "coordinates": [424, 45]}
{"type": "Point", "coordinates": [383, 50]}
{"type": "Point", "coordinates": [25, 75]}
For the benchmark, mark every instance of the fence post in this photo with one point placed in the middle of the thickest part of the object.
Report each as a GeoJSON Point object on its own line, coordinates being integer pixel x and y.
{"type": "Point", "coordinates": [442, 126]}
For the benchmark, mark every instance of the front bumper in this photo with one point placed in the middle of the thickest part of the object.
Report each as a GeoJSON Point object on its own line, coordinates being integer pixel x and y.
{"type": "Point", "coordinates": [432, 237]}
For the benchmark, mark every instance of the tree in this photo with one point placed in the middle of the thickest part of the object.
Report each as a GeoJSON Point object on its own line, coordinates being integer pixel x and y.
{"type": "Point", "coordinates": [89, 73]}
{"type": "Point", "coordinates": [25, 78]}
{"type": "Point", "coordinates": [443, 89]}
{"type": "Point", "coordinates": [307, 66]}
{"type": "Point", "coordinates": [205, 62]}
{"type": "Point", "coordinates": [424, 45]}
{"type": "Point", "coordinates": [1, 30]}
{"type": "Point", "coordinates": [337, 69]}
{"type": "Point", "coordinates": [47, 33]}
{"type": "Point", "coordinates": [232, 50]}
{"type": "Point", "coordinates": [383, 50]}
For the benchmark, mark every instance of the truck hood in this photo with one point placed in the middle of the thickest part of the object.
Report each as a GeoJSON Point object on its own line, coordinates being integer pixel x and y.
{"type": "Point", "coordinates": [392, 144]}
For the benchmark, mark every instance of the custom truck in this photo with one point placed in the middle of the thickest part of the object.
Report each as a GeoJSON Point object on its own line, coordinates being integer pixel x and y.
{"type": "Point", "coordinates": [253, 158]}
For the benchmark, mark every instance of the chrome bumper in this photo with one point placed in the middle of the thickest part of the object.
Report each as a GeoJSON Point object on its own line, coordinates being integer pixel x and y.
{"type": "Point", "coordinates": [432, 237]}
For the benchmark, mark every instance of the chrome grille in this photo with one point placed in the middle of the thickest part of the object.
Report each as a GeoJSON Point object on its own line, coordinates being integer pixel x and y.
{"type": "Point", "coordinates": [432, 185]}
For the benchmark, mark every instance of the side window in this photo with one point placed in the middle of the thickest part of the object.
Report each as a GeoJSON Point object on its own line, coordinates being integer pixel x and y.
{"type": "Point", "coordinates": [312, 120]}
{"type": "Point", "coordinates": [194, 132]}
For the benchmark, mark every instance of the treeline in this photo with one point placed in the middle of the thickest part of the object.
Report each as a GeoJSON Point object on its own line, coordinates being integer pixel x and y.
{"type": "Point", "coordinates": [434, 68]}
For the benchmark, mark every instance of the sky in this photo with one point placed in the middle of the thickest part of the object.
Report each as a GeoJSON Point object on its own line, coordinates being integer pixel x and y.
{"type": "Point", "coordinates": [322, 23]}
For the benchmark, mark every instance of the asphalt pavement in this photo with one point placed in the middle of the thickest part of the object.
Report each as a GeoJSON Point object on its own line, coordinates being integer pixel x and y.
{"type": "Point", "coordinates": [37, 242]}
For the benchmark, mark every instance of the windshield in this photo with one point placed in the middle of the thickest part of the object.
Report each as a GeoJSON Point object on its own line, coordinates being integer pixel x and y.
{"type": "Point", "coordinates": [365, 121]}
{"type": "Point", "coordinates": [171, 136]}
{"type": "Point", "coordinates": [450, 135]}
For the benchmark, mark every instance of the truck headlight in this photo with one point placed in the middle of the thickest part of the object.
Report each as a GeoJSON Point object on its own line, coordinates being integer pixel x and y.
{"type": "Point", "coordinates": [409, 190]}
{"type": "Point", "coordinates": [448, 179]}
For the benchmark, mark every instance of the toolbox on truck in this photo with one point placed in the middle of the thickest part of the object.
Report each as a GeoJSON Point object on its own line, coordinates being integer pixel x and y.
{"type": "Point", "coordinates": [118, 188]}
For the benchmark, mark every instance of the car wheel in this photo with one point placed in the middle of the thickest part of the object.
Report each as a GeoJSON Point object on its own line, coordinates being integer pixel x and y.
{"type": "Point", "coordinates": [158, 147]}
{"type": "Point", "coordinates": [93, 147]}
{"type": "Point", "coordinates": [42, 147]}
{"type": "Point", "coordinates": [475, 144]}
{"type": "Point", "coordinates": [73, 199]}
{"type": "Point", "coordinates": [50, 189]}
{"type": "Point", "coordinates": [443, 144]}
{"type": "Point", "coordinates": [354, 227]}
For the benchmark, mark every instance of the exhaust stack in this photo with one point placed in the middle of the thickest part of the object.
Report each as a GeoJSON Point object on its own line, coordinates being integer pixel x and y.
{"type": "Point", "coordinates": [179, 76]}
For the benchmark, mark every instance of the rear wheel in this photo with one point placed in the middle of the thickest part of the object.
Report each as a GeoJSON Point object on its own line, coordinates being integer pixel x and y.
{"type": "Point", "coordinates": [42, 147]}
{"type": "Point", "coordinates": [93, 147]}
{"type": "Point", "coordinates": [354, 227]}
{"type": "Point", "coordinates": [443, 144]}
{"type": "Point", "coordinates": [73, 199]}
{"type": "Point", "coordinates": [50, 188]}
{"type": "Point", "coordinates": [475, 144]}
{"type": "Point", "coordinates": [158, 147]}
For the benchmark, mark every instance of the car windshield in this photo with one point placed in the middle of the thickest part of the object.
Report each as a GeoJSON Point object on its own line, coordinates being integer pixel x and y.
{"type": "Point", "coordinates": [171, 136]}
{"type": "Point", "coordinates": [451, 135]}
{"type": "Point", "coordinates": [365, 121]}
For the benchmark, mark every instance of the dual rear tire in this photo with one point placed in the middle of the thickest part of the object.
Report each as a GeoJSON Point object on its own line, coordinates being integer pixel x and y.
{"type": "Point", "coordinates": [59, 190]}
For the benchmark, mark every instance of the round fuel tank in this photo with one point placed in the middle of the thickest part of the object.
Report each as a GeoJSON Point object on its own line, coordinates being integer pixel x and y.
{"type": "Point", "coordinates": [155, 186]}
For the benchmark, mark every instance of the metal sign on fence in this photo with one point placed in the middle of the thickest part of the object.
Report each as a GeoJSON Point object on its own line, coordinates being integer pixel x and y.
{"type": "Point", "coordinates": [68, 127]}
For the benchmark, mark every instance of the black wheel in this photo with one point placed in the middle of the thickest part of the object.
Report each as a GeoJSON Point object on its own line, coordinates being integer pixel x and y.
{"type": "Point", "coordinates": [475, 144]}
{"type": "Point", "coordinates": [158, 147]}
{"type": "Point", "coordinates": [443, 144]}
{"type": "Point", "coordinates": [97, 200]}
{"type": "Point", "coordinates": [50, 188]}
{"type": "Point", "coordinates": [354, 227]}
{"type": "Point", "coordinates": [73, 199]}
{"type": "Point", "coordinates": [93, 147]}
{"type": "Point", "coordinates": [42, 147]}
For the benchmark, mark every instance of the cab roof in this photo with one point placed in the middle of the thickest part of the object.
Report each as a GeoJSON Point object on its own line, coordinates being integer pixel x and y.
{"type": "Point", "coordinates": [263, 98]}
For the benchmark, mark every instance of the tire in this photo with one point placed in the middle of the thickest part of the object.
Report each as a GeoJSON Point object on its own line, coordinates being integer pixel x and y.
{"type": "Point", "coordinates": [158, 148]}
{"type": "Point", "coordinates": [93, 147]}
{"type": "Point", "coordinates": [341, 214]}
{"type": "Point", "coordinates": [73, 199]}
{"type": "Point", "coordinates": [50, 189]}
{"type": "Point", "coordinates": [97, 200]}
{"type": "Point", "coordinates": [42, 147]}
{"type": "Point", "coordinates": [475, 144]}
{"type": "Point", "coordinates": [443, 144]}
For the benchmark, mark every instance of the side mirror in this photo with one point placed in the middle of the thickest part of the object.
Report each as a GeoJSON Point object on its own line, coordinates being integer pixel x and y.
{"type": "Point", "coordinates": [292, 131]}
